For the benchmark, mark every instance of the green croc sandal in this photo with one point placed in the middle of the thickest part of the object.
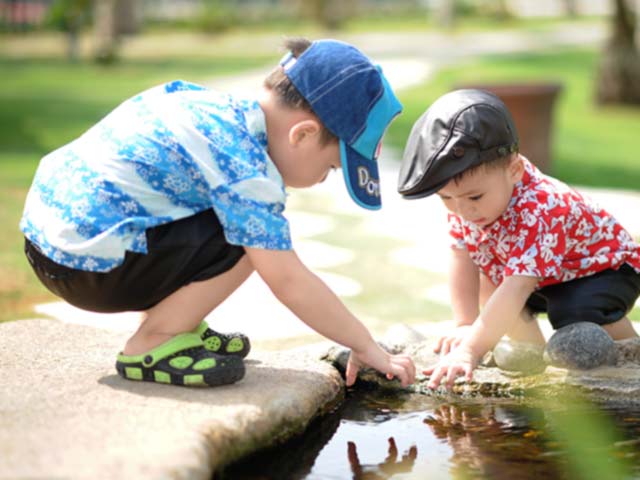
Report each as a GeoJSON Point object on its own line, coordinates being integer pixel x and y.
{"type": "Point", "coordinates": [235, 344]}
{"type": "Point", "coordinates": [183, 360]}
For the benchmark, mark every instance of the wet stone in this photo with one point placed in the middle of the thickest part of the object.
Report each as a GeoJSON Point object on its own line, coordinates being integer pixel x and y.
{"type": "Point", "coordinates": [581, 346]}
{"type": "Point", "coordinates": [516, 356]}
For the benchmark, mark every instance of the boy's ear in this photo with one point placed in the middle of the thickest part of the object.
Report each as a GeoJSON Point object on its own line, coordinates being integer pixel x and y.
{"type": "Point", "coordinates": [516, 168]}
{"type": "Point", "coordinates": [304, 130]}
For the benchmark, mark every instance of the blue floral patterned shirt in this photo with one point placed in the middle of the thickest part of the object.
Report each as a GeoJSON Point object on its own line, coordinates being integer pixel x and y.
{"type": "Point", "coordinates": [165, 154]}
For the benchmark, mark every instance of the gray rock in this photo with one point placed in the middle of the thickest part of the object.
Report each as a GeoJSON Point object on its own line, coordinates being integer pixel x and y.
{"type": "Point", "coordinates": [516, 356]}
{"type": "Point", "coordinates": [582, 346]}
{"type": "Point", "coordinates": [628, 351]}
{"type": "Point", "coordinates": [338, 356]}
{"type": "Point", "coordinates": [64, 412]}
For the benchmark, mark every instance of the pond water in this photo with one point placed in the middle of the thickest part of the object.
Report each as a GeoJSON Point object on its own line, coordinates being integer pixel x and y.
{"type": "Point", "coordinates": [377, 436]}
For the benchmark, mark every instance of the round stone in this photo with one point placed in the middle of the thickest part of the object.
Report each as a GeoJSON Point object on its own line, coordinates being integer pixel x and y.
{"type": "Point", "coordinates": [518, 356]}
{"type": "Point", "coordinates": [581, 346]}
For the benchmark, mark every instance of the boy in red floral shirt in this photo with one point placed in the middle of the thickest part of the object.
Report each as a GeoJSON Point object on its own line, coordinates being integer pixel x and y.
{"type": "Point", "coordinates": [522, 242]}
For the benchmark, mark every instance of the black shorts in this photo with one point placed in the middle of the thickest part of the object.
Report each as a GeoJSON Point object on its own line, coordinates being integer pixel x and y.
{"type": "Point", "coordinates": [602, 298]}
{"type": "Point", "coordinates": [180, 252]}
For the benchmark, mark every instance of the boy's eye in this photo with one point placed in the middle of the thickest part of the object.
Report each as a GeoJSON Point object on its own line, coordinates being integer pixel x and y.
{"type": "Point", "coordinates": [475, 197]}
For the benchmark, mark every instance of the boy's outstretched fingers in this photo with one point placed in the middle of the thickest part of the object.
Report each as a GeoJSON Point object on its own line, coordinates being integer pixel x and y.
{"type": "Point", "coordinates": [351, 372]}
{"type": "Point", "coordinates": [402, 367]}
{"type": "Point", "coordinates": [447, 373]}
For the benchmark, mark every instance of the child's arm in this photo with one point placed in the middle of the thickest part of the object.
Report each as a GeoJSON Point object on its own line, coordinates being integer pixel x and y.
{"type": "Point", "coordinates": [496, 318]}
{"type": "Point", "coordinates": [464, 286]}
{"type": "Point", "coordinates": [316, 305]}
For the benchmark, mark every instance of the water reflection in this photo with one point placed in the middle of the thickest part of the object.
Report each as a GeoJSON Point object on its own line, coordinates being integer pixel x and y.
{"type": "Point", "coordinates": [373, 437]}
{"type": "Point", "coordinates": [385, 469]}
{"type": "Point", "coordinates": [497, 442]}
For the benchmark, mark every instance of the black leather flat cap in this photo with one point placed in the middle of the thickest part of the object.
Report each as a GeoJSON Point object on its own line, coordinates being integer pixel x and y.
{"type": "Point", "coordinates": [460, 130]}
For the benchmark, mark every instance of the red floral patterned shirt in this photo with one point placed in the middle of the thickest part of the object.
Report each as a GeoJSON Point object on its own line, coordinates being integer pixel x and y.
{"type": "Point", "coordinates": [548, 231]}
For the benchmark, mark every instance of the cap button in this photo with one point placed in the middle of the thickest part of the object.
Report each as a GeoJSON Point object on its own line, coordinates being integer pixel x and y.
{"type": "Point", "coordinates": [458, 151]}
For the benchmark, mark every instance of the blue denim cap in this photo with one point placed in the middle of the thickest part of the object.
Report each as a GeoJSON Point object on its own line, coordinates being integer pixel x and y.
{"type": "Point", "coordinates": [354, 101]}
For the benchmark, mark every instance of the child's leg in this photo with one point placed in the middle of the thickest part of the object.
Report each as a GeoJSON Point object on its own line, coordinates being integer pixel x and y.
{"type": "Point", "coordinates": [526, 329]}
{"type": "Point", "coordinates": [621, 329]}
{"type": "Point", "coordinates": [601, 298]}
{"type": "Point", "coordinates": [184, 309]}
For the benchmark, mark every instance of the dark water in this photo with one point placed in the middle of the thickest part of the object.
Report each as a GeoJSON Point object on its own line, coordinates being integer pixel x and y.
{"type": "Point", "coordinates": [372, 436]}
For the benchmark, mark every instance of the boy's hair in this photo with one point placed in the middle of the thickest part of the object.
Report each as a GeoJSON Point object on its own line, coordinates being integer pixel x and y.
{"type": "Point", "coordinates": [287, 93]}
{"type": "Point", "coordinates": [488, 165]}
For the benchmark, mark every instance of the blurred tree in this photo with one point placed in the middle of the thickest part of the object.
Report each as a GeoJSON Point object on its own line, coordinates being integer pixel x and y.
{"type": "Point", "coordinates": [619, 69]}
{"type": "Point", "coordinates": [70, 16]}
{"type": "Point", "coordinates": [501, 10]}
{"type": "Point", "coordinates": [330, 14]}
{"type": "Point", "coordinates": [446, 13]}
{"type": "Point", "coordinates": [105, 31]}
{"type": "Point", "coordinates": [112, 18]}
{"type": "Point", "coordinates": [217, 15]}
{"type": "Point", "coordinates": [571, 8]}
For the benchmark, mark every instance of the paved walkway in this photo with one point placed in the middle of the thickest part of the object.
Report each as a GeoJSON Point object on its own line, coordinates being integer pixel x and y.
{"type": "Point", "coordinates": [407, 60]}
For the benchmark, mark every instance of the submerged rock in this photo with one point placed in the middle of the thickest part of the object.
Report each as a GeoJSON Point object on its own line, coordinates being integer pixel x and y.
{"type": "Point", "coordinates": [582, 345]}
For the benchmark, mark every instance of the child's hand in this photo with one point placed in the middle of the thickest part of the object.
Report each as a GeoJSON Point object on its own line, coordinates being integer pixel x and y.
{"type": "Point", "coordinates": [460, 361]}
{"type": "Point", "coordinates": [400, 366]}
{"type": "Point", "coordinates": [448, 342]}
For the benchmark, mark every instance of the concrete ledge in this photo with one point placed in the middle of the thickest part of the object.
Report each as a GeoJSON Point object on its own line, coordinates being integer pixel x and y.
{"type": "Point", "coordinates": [64, 412]}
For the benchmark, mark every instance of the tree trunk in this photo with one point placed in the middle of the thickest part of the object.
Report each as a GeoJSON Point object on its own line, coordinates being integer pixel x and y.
{"type": "Point", "coordinates": [331, 14]}
{"type": "Point", "coordinates": [447, 13]}
{"type": "Point", "coordinates": [619, 69]}
{"type": "Point", "coordinates": [571, 8]}
{"type": "Point", "coordinates": [128, 16]}
{"type": "Point", "coordinates": [105, 31]}
{"type": "Point", "coordinates": [73, 45]}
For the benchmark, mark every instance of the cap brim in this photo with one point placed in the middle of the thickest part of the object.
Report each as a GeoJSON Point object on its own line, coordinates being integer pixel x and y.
{"type": "Point", "coordinates": [361, 177]}
{"type": "Point", "coordinates": [424, 193]}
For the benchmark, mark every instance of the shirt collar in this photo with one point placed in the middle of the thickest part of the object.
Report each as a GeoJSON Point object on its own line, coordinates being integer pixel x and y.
{"type": "Point", "coordinates": [256, 123]}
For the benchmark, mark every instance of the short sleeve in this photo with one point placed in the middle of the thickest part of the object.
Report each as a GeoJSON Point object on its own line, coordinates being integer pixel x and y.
{"type": "Point", "coordinates": [456, 232]}
{"type": "Point", "coordinates": [253, 223]}
{"type": "Point", "coordinates": [540, 244]}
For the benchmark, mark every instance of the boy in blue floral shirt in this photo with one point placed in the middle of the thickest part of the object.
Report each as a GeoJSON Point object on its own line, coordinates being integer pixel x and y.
{"type": "Point", "coordinates": [169, 203]}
